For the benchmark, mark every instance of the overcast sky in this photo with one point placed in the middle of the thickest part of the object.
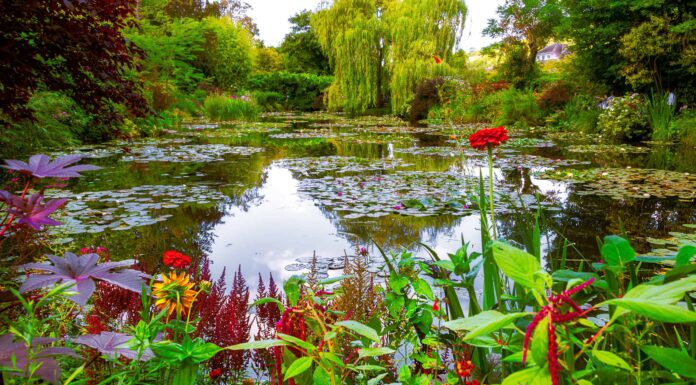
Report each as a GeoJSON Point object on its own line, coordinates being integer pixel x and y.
{"type": "Point", "coordinates": [272, 18]}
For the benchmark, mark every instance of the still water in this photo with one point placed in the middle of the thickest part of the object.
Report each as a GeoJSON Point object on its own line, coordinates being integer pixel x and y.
{"type": "Point", "coordinates": [268, 196]}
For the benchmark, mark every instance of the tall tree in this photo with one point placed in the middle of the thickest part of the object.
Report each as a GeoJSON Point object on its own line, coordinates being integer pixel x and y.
{"type": "Point", "coordinates": [301, 48]}
{"type": "Point", "coordinates": [376, 46]}
{"type": "Point", "coordinates": [76, 47]}
{"type": "Point", "coordinates": [525, 26]}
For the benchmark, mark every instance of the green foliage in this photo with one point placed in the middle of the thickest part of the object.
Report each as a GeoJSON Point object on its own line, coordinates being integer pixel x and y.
{"type": "Point", "coordinates": [267, 60]}
{"type": "Point", "coordinates": [300, 92]}
{"type": "Point", "coordinates": [225, 108]}
{"type": "Point", "coordinates": [519, 108]}
{"type": "Point", "coordinates": [685, 124]}
{"type": "Point", "coordinates": [580, 114]}
{"type": "Point", "coordinates": [301, 49]}
{"type": "Point", "coordinates": [269, 100]}
{"type": "Point", "coordinates": [624, 118]}
{"type": "Point", "coordinates": [228, 52]}
{"type": "Point", "coordinates": [660, 115]}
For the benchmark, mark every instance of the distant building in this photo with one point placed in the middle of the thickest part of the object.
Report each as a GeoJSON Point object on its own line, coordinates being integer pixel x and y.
{"type": "Point", "coordinates": [552, 52]}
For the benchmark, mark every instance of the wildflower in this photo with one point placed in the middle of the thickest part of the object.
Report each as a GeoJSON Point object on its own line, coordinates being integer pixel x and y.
{"type": "Point", "coordinates": [40, 166]}
{"type": "Point", "coordinates": [398, 207]}
{"type": "Point", "coordinates": [464, 368]}
{"type": "Point", "coordinates": [174, 293]}
{"type": "Point", "coordinates": [493, 137]}
{"type": "Point", "coordinates": [363, 251]}
{"type": "Point", "coordinates": [340, 193]}
{"type": "Point", "coordinates": [215, 373]}
{"type": "Point", "coordinates": [436, 306]}
{"type": "Point", "coordinates": [437, 59]}
{"type": "Point", "coordinates": [176, 259]}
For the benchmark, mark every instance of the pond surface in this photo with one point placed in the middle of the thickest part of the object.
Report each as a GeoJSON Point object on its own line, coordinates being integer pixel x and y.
{"type": "Point", "coordinates": [270, 195]}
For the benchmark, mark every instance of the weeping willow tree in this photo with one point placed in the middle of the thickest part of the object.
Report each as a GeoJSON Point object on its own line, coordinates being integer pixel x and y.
{"type": "Point", "coordinates": [380, 46]}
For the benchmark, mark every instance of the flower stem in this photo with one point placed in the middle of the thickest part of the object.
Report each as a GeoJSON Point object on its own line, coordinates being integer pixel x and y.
{"type": "Point", "coordinates": [490, 187]}
{"type": "Point", "coordinates": [12, 216]}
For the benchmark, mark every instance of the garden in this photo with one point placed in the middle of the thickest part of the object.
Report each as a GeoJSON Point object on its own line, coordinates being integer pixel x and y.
{"type": "Point", "coordinates": [364, 203]}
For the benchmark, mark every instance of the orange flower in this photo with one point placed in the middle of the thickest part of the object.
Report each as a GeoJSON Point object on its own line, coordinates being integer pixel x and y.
{"type": "Point", "coordinates": [174, 293]}
{"type": "Point", "coordinates": [437, 59]}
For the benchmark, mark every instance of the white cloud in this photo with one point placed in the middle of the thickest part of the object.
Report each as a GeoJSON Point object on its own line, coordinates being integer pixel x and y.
{"type": "Point", "coordinates": [272, 18]}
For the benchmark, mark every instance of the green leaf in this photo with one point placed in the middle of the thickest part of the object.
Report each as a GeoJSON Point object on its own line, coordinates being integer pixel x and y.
{"type": "Point", "coordinates": [297, 342]}
{"type": "Point", "coordinates": [685, 254]}
{"type": "Point", "coordinates": [321, 377]}
{"type": "Point", "coordinates": [518, 265]}
{"type": "Point", "coordinates": [397, 282]}
{"type": "Point", "coordinates": [359, 328]}
{"type": "Point", "coordinates": [370, 368]}
{"type": "Point", "coordinates": [376, 380]}
{"type": "Point", "coordinates": [611, 359]}
{"type": "Point", "coordinates": [404, 373]}
{"type": "Point", "coordinates": [483, 323]}
{"type": "Point", "coordinates": [530, 376]}
{"type": "Point", "coordinates": [374, 352]}
{"type": "Point", "coordinates": [675, 360]}
{"type": "Point", "coordinates": [263, 344]}
{"type": "Point", "coordinates": [203, 351]}
{"type": "Point", "coordinates": [262, 301]}
{"type": "Point", "coordinates": [617, 251]}
{"type": "Point", "coordinates": [421, 287]}
{"type": "Point", "coordinates": [657, 311]}
{"type": "Point", "coordinates": [292, 289]}
{"type": "Point", "coordinates": [540, 342]}
{"type": "Point", "coordinates": [297, 367]}
{"type": "Point", "coordinates": [330, 280]}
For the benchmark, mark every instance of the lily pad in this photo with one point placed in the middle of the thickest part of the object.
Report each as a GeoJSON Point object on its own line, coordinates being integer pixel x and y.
{"type": "Point", "coordinates": [187, 153]}
{"type": "Point", "coordinates": [339, 165]}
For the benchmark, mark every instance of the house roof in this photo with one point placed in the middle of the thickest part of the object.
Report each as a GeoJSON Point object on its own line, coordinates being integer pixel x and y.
{"type": "Point", "coordinates": [556, 48]}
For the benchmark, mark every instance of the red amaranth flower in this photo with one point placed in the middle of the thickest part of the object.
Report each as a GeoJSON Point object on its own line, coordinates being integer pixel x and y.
{"type": "Point", "coordinates": [493, 137]}
{"type": "Point", "coordinates": [215, 374]}
{"type": "Point", "coordinates": [464, 368]}
{"type": "Point", "coordinates": [176, 259]}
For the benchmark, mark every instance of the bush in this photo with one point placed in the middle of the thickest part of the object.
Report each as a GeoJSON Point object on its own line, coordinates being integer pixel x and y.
{"type": "Point", "coordinates": [301, 92]}
{"type": "Point", "coordinates": [269, 100]}
{"type": "Point", "coordinates": [660, 114]}
{"type": "Point", "coordinates": [519, 108]}
{"type": "Point", "coordinates": [426, 97]}
{"type": "Point", "coordinates": [685, 125]}
{"type": "Point", "coordinates": [554, 96]}
{"type": "Point", "coordinates": [580, 114]}
{"type": "Point", "coordinates": [221, 107]}
{"type": "Point", "coordinates": [624, 118]}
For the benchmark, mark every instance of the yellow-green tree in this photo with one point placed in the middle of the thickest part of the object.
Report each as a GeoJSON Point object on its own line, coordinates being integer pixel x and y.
{"type": "Point", "coordinates": [385, 46]}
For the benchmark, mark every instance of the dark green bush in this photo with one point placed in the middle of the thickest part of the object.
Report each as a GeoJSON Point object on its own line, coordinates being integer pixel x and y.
{"type": "Point", "coordinates": [269, 100]}
{"type": "Point", "coordinates": [519, 108]}
{"type": "Point", "coordinates": [301, 92]}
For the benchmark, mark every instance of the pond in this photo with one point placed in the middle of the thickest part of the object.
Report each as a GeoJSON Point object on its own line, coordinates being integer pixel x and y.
{"type": "Point", "coordinates": [271, 195]}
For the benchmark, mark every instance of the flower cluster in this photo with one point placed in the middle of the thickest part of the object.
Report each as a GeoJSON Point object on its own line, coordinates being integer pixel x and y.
{"type": "Point", "coordinates": [176, 259]}
{"type": "Point", "coordinates": [493, 137]}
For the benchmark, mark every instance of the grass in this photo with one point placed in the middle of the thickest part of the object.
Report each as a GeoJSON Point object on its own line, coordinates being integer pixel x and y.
{"type": "Point", "coordinates": [660, 115]}
{"type": "Point", "coordinates": [221, 108]}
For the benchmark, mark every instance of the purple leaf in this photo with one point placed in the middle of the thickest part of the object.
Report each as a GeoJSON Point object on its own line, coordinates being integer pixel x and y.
{"type": "Point", "coordinates": [113, 344]}
{"type": "Point", "coordinates": [82, 271]}
{"type": "Point", "coordinates": [40, 166]}
{"type": "Point", "coordinates": [48, 368]}
{"type": "Point", "coordinates": [32, 212]}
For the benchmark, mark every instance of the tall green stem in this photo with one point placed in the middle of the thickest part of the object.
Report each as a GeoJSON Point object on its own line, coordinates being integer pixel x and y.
{"type": "Point", "coordinates": [490, 187]}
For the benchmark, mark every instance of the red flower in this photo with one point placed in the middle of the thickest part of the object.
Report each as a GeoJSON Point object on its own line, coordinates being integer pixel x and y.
{"type": "Point", "coordinates": [437, 59]}
{"type": "Point", "coordinates": [464, 368]}
{"type": "Point", "coordinates": [176, 259]}
{"type": "Point", "coordinates": [215, 374]}
{"type": "Point", "coordinates": [488, 136]}
{"type": "Point", "coordinates": [436, 306]}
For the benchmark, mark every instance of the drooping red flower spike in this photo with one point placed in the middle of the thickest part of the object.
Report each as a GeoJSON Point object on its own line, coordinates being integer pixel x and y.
{"type": "Point", "coordinates": [552, 312]}
{"type": "Point", "coordinates": [176, 259]}
{"type": "Point", "coordinates": [437, 59]}
{"type": "Point", "coordinates": [493, 137]}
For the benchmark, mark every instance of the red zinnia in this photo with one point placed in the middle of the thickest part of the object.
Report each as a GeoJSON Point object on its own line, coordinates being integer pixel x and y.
{"type": "Point", "coordinates": [488, 136]}
{"type": "Point", "coordinates": [176, 259]}
{"type": "Point", "coordinates": [215, 373]}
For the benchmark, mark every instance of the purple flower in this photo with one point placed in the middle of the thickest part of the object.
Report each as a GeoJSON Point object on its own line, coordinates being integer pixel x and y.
{"type": "Point", "coordinates": [32, 212]}
{"type": "Point", "coordinates": [398, 207]}
{"type": "Point", "coordinates": [82, 271]}
{"type": "Point", "coordinates": [41, 166]}
{"type": "Point", "coordinates": [16, 355]}
{"type": "Point", "coordinates": [363, 251]}
{"type": "Point", "coordinates": [113, 344]}
{"type": "Point", "coordinates": [340, 193]}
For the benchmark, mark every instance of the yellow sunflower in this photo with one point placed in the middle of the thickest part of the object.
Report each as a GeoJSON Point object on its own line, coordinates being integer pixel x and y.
{"type": "Point", "coordinates": [174, 293]}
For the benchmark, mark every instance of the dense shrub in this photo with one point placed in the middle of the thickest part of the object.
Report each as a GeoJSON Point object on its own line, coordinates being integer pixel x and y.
{"type": "Point", "coordinates": [301, 92]}
{"type": "Point", "coordinates": [221, 107]}
{"type": "Point", "coordinates": [519, 108]}
{"type": "Point", "coordinates": [580, 114]}
{"type": "Point", "coordinates": [554, 95]}
{"type": "Point", "coordinates": [269, 100]}
{"type": "Point", "coordinates": [427, 95]}
{"type": "Point", "coordinates": [624, 118]}
{"type": "Point", "coordinates": [685, 125]}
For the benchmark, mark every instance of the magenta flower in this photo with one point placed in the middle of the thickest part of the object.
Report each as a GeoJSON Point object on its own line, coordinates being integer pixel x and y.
{"type": "Point", "coordinates": [398, 207]}
{"type": "Point", "coordinates": [32, 212]}
{"type": "Point", "coordinates": [41, 166]}
{"type": "Point", "coordinates": [340, 193]}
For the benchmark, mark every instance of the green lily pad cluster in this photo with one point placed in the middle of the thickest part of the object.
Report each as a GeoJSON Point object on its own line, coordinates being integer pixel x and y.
{"type": "Point", "coordinates": [436, 151]}
{"type": "Point", "coordinates": [669, 246]}
{"type": "Point", "coordinates": [607, 148]}
{"type": "Point", "coordinates": [340, 165]}
{"type": "Point", "coordinates": [98, 211]}
{"type": "Point", "coordinates": [311, 134]}
{"type": "Point", "coordinates": [377, 139]}
{"type": "Point", "coordinates": [187, 153]}
{"type": "Point", "coordinates": [395, 130]}
{"type": "Point", "coordinates": [416, 193]}
{"type": "Point", "coordinates": [231, 132]}
{"type": "Point", "coordinates": [529, 143]}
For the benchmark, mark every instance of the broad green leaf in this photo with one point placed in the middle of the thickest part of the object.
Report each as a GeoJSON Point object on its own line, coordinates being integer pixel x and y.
{"type": "Point", "coordinates": [617, 251]}
{"type": "Point", "coordinates": [685, 254]}
{"type": "Point", "coordinates": [374, 352]}
{"type": "Point", "coordinates": [330, 280]}
{"type": "Point", "coordinates": [376, 380]}
{"type": "Point", "coordinates": [359, 328]}
{"type": "Point", "coordinates": [675, 360]}
{"type": "Point", "coordinates": [611, 359]}
{"type": "Point", "coordinates": [397, 282]}
{"type": "Point", "coordinates": [483, 323]}
{"type": "Point", "coordinates": [370, 368]}
{"type": "Point", "coordinates": [292, 289]}
{"type": "Point", "coordinates": [515, 357]}
{"type": "Point", "coordinates": [421, 287]}
{"type": "Point", "coordinates": [321, 377]}
{"type": "Point", "coordinates": [253, 345]}
{"type": "Point", "coordinates": [540, 342]}
{"type": "Point", "coordinates": [667, 294]}
{"type": "Point", "coordinates": [297, 342]}
{"type": "Point", "coordinates": [518, 265]}
{"type": "Point", "coordinates": [657, 311]}
{"type": "Point", "coordinates": [262, 301]}
{"type": "Point", "coordinates": [330, 357]}
{"type": "Point", "coordinates": [297, 367]}
{"type": "Point", "coordinates": [530, 376]}
{"type": "Point", "coordinates": [404, 373]}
